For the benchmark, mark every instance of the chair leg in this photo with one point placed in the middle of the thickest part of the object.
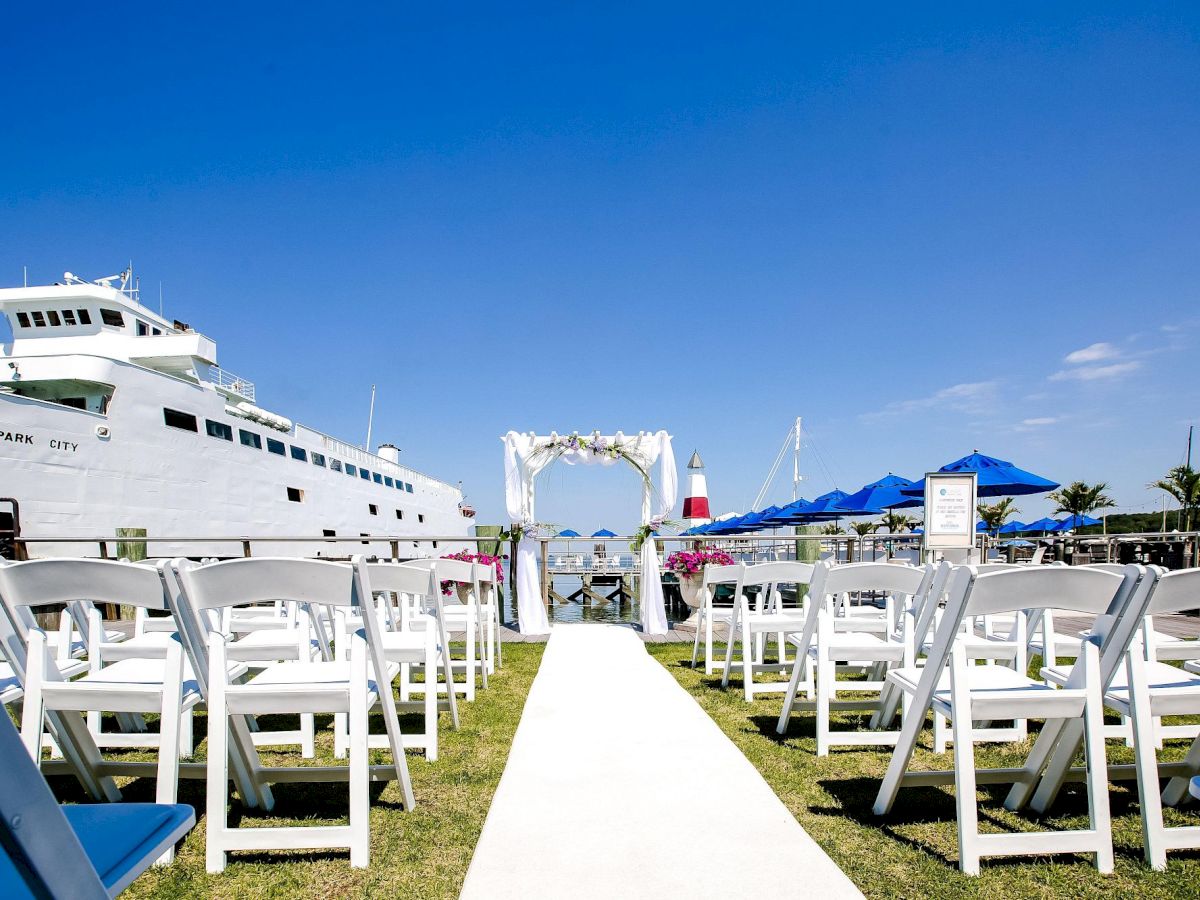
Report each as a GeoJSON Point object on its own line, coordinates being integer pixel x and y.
{"type": "Point", "coordinates": [360, 811]}
{"type": "Point", "coordinates": [748, 657]}
{"type": "Point", "coordinates": [1097, 767]}
{"type": "Point", "coordinates": [825, 670]}
{"type": "Point", "coordinates": [341, 739]}
{"type": "Point", "coordinates": [218, 781]}
{"type": "Point", "coordinates": [187, 740]}
{"type": "Point", "coordinates": [965, 796]}
{"type": "Point", "coordinates": [166, 789]}
{"type": "Point", "coordinates": [470, 659]}
{"type": "Point", "coordinates": [33, 710]}
{"type": "Point", "coordinates": [696, 640]}
{"type": "Point", "coordinates": [1153, 830]}
{"type": "Point", "coordinates": [431, 702]}
{"type": "Point", "coordinates": [789, 698]}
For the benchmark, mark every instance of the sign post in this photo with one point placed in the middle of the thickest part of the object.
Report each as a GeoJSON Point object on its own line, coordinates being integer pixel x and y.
{"type": "Point", "coordinates": [950, 499]}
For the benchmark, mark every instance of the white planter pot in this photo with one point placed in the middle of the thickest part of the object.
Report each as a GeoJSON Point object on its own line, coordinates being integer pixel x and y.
{"type": "Point", "coordinates": [691, 588]}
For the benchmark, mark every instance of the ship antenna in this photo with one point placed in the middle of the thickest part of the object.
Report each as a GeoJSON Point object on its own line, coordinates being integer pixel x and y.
{"type": "Point", "coordinates": [160, 312]}
{"type": "Point", "coordinates": [370, 420]}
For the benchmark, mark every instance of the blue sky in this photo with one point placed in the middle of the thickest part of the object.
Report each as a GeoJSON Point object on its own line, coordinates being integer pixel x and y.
{"type": "Point", "coordinates": [925, 230]}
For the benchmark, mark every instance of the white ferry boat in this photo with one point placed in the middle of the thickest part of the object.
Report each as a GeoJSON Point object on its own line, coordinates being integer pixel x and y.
{"type": "Point", "coordinates": [113, 417]}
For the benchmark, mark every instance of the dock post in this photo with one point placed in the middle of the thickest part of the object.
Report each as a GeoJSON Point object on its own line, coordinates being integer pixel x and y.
{"type": "Point", "coordinates": [246, 548]}
{"type": "Point", "coordinates": [395, 549]}
{"type": "Point", "coordinates": [545, 556]}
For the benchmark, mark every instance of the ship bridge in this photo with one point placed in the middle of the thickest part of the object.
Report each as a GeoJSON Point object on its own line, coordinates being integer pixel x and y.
{"type": "Point", "coordinates": [98, 319]}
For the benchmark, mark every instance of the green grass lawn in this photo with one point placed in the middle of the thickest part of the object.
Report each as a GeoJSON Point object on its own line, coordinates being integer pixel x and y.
{"type": "Point", "coordinates": [914, 851]}
{"type": "Point", "coordinates": [422, 854]}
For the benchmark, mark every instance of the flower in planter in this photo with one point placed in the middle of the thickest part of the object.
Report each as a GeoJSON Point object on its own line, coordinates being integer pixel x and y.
{"type": "Point", "coordinates": [692, 562]}
{"type": "Point", "coordinates": [497, 562]}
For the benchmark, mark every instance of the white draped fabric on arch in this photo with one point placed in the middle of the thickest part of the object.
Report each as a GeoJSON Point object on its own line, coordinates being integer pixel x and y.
{"type": "Point", "coordinates": [525, 455]}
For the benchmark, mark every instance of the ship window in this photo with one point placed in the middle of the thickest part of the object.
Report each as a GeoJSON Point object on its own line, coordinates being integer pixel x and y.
{"type": "Point", "coordinates": [177, 419]}
{"type": "Point", "coordinates": [377, 478]}
{"type": "Point", "coordinates": [399, 514]}
{"type": "Point", "coordinates": [52, 315]}
{"type": "Point", "coordinates": [249, 439]}
{"type": "Point", "coordinates": [38, 319]}
{"type": "Point", "coordinates": [112, 317]}
{"type": "Point", "coordinates": [364, 534]}
{"type": "Point", "coordinates": [69, 316]}
{"type": "Point", "coordinates": [364, 474]}
{"type": "Point", "coordinates": [350, 470]}
{"type": "Point", "coordinates": [318, 459]}
{"type": "Point", "coordinates": [85, 317]}
{"type": "Point", "coordinates": [328, 532]}
{"type": "Point", "coordinates": [218, 430]}
{"type": "Point", "coordinates": [335, 465]}
{"type": "Point", "coordinates": [300, 453]}
{"type": "Point", "coordinates": [274, 446]}
{"type": "Point", "coordinates": [142, 328]}
{"type": "Point", "coordinates": [435, 545]}
{"type": "Point", "coordinates": [408, 487]}
{"type": "Point", "coordinates": [23, 319]}
{"type": "Point", "coordinates": [421, 517]}
{"type": "Point", "coordinates": [295, 495]}
{"type": "Point", "coordinates": [74, 402]}
{"type": "Point", "coordinates": [156, 331]}
{"type": "Point", "coordinates": [373, 509]}
{"type": "Point", "coordinates": [387, 480]}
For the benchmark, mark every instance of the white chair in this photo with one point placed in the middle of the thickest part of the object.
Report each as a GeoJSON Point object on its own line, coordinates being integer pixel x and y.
{"type": "Point", "coordinates": [965, 693]}
{"type": "Point", "coordinates": [709, 614]}
{"type": "Point", "coordinates": [849, 643]}
{"type": "Point", "coordinates": [422, 642]}
{"type": "Point", "coordinates": [749, 628]}
{"type": "Point", "coordinates": [143, 685]}
{"type": "Point", "coordinates": [465, 618]}
{"type": "Point", "coordinates": [351, 687]}
{"type": "Point", "coordinates": [1146, 690]}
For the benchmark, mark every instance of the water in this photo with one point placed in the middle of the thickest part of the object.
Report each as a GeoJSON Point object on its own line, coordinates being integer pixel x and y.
{"type": "Point", "coordinates": [577, 611]}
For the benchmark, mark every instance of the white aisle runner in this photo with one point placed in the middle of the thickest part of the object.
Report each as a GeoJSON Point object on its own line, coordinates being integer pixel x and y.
{"type": "Point", "coordinates": [620, 785]}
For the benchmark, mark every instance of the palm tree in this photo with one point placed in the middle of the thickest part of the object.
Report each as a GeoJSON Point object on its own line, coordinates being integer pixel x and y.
{"type": "Point", "coordinates": [994, 514]}
{"type": "Point", "coordinates": [831, 528]}
{"type": "Point", "coordinates": [1080, 498]}
{"type": "Point", "coordinates": [897, 523]}
{"type": "Point", "coordinates": [1182, 483]}
{"type": "Point", "coordinates": [863, 528]}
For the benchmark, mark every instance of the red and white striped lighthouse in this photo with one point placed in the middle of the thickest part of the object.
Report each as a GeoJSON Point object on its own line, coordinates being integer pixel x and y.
{"type": "Point", "coordinates": [695, 501]}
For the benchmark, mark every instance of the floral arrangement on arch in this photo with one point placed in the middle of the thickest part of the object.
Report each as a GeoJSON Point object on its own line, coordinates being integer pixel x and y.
{"type": "Point", "coordinates": [692, 562]}
{"type": "Point", "coordinates": [597, 445]}
{"type": "Point", "coordinates": [497, 562]}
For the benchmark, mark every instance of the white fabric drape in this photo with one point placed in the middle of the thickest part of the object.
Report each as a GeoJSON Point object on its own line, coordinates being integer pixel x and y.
{"type": "Point", "coordinates": [522, 463]}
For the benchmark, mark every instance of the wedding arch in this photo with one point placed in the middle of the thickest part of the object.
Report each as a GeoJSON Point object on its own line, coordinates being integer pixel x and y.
{"type": "Point", "coordinates": [525, 455]}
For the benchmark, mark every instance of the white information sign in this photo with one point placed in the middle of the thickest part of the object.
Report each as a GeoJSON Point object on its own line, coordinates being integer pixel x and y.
{"type": "Point", "coordinates": [950, 510]}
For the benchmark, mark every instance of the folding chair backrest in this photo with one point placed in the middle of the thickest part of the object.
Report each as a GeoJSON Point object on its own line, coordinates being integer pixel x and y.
{"type": "Point", "coordinates": [41, 582]}
{"type": "Point", "coordinates": [238, 582]}
{"type": "Point", "coordinates": [724, 574]}
{"type": "Point", "coordinates": [402, 578]}
{"type": "Point", "coordinates": [1077, 589]}
{"type": "Point", "coordinates": [774, 573]}
{"type": "Point", "coordinates": [870, 576]}
{"type": "Point", "coordinates": [1177, 591]}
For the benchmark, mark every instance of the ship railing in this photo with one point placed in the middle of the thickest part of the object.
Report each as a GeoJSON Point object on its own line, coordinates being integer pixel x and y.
{"type": "Point", "coordinates": [227, 381]}
{"type": "Point", "coordinates": [361, 457]}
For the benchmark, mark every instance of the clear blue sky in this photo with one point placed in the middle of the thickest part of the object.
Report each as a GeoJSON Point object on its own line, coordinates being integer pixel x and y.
{"type": "Point", "coordinates": [923, 230]}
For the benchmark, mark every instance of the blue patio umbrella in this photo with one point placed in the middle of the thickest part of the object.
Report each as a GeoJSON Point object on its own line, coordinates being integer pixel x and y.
{"type": "Point", "coordinates": [736, 525]}
{"type": "Point", "coordinates": [1017, 542]}
{"type": "Point", "coordinates": [780, 517]}
{"type": "Point", "coordinates": [1043, 524]}
{"type": "Point", "coordinates": [1013, 527]}
{"type": "Point", "coordinates": [604, 533]}
{"type": "Point", "coordinates": [1070, 523]}
{"type": "Point", "coordinates": [567, 532]}
{"type": "Point", "coordinates": [756, 521]}
{"type": "Point", "coordinates": [823, 509]}
{"type": "Point", "coordinates": [995, 477]}
{"type": "Point", "coordinates": [981, 525]}
{"type": "Point", "coordinates": [878, 496]}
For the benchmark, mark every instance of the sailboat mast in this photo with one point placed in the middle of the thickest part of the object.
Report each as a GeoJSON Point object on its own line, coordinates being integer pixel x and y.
{"type": "Point", "coordinates": [796, 464]}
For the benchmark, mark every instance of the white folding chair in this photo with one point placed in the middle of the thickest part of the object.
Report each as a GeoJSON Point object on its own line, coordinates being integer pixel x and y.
{"type": "Point", "coordinates": [849, 643]}
{"type": "Point", "coordinates": [1146, 690]}
{"type": "Point", "coordinates": [465, 618]}
{"type": "Point", "coordinates": [142, 685]}
{"type": "Point", "coordinates": [422, 642]}
{"type": "Point", "coordinates": [351, 687]}
{"type": "Point", "coordinates": [965, 692]}
{"type": "Point", "coordinates": [709, 614]}
{"type": "Point", "coordinates": [749, 628]}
